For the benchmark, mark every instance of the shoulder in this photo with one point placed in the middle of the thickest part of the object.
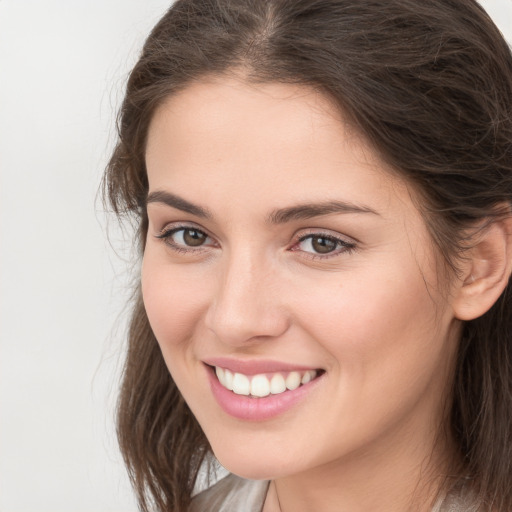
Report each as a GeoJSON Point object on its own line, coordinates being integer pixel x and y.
{"type": "Point", "coordinates": [461, 498]}
{"type": "Point", "coordinates": [231, 494]}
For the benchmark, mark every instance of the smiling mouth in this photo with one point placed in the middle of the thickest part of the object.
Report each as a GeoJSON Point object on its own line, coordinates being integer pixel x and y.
{"type": "Point", "coordinates": [264, 384]}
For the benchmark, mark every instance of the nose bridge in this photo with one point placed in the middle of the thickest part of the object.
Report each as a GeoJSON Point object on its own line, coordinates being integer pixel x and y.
{"type": "Point", "coordinates": [246, 304]}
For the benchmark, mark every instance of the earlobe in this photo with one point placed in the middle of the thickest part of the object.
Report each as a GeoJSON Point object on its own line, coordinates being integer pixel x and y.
{"type": "Point", "coordinates": [486, 271]}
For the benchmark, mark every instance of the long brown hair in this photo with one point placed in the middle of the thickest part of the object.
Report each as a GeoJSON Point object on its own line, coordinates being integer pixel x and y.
{"type": "Point", "coordinates": [429, 84]}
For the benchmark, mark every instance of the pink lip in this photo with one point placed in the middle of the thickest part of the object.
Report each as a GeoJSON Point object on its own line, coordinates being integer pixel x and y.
{"type": "Point", "coordinates": [256, 366]}
{"type": "Point", "coordinates": [257, 409]}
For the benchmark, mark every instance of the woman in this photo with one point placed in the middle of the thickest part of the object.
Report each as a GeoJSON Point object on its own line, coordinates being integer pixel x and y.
{"type": "Point", "coordinates": [322, 190]}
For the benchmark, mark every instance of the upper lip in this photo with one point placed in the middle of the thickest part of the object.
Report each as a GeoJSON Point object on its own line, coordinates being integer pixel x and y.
{"type": "Point", "coordinates": [255, 366]}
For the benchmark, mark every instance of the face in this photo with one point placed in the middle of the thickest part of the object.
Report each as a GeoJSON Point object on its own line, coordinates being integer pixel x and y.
{"type": "Point", "coordinates": [290, 282]}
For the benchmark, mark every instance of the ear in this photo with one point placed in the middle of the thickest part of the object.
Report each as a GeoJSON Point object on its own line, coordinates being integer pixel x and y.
{"type": "Point", "coordinates": [486, 270]}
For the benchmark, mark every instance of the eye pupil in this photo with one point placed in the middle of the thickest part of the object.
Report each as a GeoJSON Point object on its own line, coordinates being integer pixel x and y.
{"type": "Point", "coordinates": [323, 245]}
{"type": "Point", "coordinates": [193, 237]}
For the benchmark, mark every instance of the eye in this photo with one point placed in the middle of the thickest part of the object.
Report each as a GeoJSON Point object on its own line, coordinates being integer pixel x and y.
{"type": "Point", "coordinates": [318, 244]}
{"type": "Point", "coordinates": [185, 238]}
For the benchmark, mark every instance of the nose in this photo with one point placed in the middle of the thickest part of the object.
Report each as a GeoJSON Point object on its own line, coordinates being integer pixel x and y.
{"type": "Point", "coordinates": [247, 304]}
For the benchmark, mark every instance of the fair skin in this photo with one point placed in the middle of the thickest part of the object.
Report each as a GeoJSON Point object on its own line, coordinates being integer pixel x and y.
{"type": "Point", "coordinates": [352, 292]}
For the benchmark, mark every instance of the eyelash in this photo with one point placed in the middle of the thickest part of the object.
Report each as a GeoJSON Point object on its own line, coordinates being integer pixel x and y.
{"type": "Point", "coordinates": [167, 233]}
{"type": "Point", "coordinates": [341, 246]}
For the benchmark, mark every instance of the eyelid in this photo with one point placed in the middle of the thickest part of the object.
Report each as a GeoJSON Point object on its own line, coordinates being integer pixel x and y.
{"type": "Point", "coordinates": [347, 244]}
{"type": "Point", "coordinates": [173, 227]}
{"type": "Point", "coordinates": [327, 233]}
{"type": "Point", "coordinates": [170, 226]}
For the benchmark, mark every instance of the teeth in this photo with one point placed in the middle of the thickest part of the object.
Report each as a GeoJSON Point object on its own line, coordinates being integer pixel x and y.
{"type": "Point", "coordinates": [259, 385]}
{"type": "Point", "coordinates": [241, 384]}
{"type": "Point", "coordinates": [277, 384]}
{"type": "Point", "coordinates": [308, 376]}
{"type": "Point", "coordinates": [228, 380]}
{"type": "Point", "coordinates": [293, 380]}
{"type": "Point", "coordinates": [220, 374]}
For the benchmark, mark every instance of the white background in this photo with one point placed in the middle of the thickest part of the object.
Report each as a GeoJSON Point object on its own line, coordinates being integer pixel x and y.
{"type": "Point", "coordinates": [63, 65]}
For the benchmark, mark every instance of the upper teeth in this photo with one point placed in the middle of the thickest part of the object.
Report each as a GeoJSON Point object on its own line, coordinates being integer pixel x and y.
{"type": "Point", "coordinates": [260, 385]}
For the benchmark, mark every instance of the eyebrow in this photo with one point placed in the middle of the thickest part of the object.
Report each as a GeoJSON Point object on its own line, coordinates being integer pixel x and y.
{"type": "Point", "coordinates": [174, 201]}
{"type": "Point", "coordinates": [310, 210]}
{"type": "Point", "coordinates": [279, 216]}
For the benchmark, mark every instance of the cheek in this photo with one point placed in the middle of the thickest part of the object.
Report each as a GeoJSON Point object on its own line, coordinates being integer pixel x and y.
{"type": "Point", "coordinates": [380, 318]}
{"type": "Point", "coordinates": [387, 349]}
{"type": "Point", "coordinates": [174, 300]}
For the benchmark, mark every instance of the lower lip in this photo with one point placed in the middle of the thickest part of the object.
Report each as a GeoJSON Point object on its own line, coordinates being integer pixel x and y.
{"type": "Point", "coordinates": [257, 409]}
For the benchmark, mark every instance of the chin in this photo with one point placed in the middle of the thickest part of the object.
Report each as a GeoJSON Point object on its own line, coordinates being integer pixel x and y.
{"type": "Point", "coordinates": [251, 472]}
{"type": "Point", "coordinates": [252, 469]}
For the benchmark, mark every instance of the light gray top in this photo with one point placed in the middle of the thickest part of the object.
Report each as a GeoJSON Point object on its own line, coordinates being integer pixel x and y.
{"type": "Point", "coordinates": [232, 494]}
{"type": "Point", "coordinates": [235, 494]}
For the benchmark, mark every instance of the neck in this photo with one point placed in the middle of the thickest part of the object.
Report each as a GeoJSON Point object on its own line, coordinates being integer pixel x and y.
{"type": "Point", "coordinates": [391, 480]}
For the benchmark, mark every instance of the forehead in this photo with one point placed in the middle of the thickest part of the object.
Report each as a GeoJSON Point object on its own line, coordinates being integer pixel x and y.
{"type": "Point", "coordinates": [216, 110]}
{"type": "Point", "coordinates": [268, 143]}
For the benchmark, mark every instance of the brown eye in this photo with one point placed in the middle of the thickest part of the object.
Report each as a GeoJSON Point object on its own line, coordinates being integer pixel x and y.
{"type": "Point", "coordinates": [193, 237]}
{"type": "Point", "coordinates": [183, 239]}
{"type": "Point", "coordinates": [323, 245]}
